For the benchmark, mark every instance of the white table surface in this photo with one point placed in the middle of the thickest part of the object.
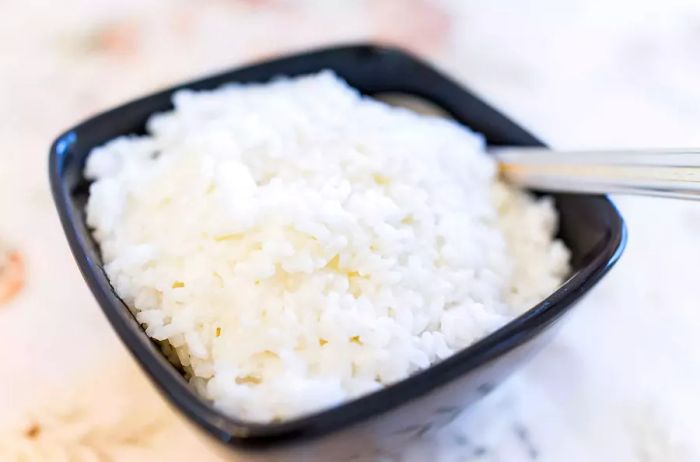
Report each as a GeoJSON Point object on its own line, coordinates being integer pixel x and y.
{"type": "Point", "coordinates": [620, 381]}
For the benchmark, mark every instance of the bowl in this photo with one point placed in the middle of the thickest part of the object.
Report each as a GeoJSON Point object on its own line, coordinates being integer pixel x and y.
{"type": "Point", "coordinates": [384, 421]}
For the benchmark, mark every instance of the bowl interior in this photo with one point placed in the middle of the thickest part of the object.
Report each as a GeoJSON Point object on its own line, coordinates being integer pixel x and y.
{"type": "Point", "coordinates": [589, 225]}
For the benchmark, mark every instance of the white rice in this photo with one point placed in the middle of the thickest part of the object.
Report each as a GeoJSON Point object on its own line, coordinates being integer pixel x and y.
{"type": "Point", "coordinates": [295, 244]}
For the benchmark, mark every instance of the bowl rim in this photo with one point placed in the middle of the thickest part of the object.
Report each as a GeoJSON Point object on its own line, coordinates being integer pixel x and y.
{"type": "Point", "coordinates": [253, 435]}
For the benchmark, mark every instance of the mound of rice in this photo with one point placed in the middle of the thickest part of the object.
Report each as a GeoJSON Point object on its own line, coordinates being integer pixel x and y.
{"type": "Point", "coordinates": [295, 245]}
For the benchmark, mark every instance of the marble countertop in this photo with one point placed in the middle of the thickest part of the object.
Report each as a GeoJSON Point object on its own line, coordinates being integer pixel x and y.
{"type": "Point", "coordinates": [618, 383]}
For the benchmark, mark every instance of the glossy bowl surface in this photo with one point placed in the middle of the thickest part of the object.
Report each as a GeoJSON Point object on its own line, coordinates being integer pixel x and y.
{"type": "Point", "coordinates": [385, 420]}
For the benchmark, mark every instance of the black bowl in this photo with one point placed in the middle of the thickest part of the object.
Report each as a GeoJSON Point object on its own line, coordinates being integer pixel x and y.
{"type": "Point", "coordinates": [385, 420]}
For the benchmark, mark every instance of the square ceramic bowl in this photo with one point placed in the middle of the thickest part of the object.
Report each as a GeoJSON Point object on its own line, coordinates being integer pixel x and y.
{"type": "Point", "coordinates": [383, 421]}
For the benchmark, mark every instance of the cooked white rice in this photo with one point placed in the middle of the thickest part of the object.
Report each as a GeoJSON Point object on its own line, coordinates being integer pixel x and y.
{"type": "Point", "coordinates": [295, 244]}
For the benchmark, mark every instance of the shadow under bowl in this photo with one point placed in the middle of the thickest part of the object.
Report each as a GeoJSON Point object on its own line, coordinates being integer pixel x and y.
{"type": "Point", "coordinates": [386, 420]}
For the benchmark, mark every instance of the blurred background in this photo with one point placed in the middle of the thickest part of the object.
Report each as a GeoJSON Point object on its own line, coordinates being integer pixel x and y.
{"type": "Point", "coordinates": [620, 381]}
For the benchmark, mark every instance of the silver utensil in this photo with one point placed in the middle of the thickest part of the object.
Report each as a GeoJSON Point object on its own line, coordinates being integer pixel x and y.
{"type": "Point", "coordinates": [673, 173]}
